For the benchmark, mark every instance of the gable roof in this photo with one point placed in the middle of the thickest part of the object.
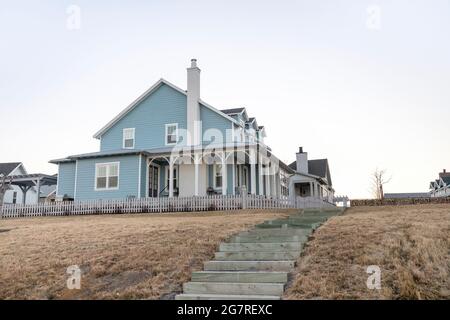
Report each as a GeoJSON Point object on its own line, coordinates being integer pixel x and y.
{"type": "Point", "coordinates": [233, 111]}
{"type": "Point", "coordinates": [318, 167]}
{"type": "Point", "coordinates": [8, 167]}
{"type": "Point", "coordinates": [446, 180]}
{"type": "Point", "coordinates": [147, 93]}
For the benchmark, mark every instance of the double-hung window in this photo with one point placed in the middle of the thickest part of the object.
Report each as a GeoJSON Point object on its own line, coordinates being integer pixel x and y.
{"type": "Point", "coordinates": [107, 176]}
{"type": "Point", "coordinates": [171, 133]}
{"type": "Point", "coordinates": [218, 176]}
{"type": "Point", "coordinates": [128, 138]}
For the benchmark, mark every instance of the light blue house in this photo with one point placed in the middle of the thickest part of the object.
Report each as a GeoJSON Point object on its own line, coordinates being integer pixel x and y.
{"type": "Point", "coordinates": [169, 142]}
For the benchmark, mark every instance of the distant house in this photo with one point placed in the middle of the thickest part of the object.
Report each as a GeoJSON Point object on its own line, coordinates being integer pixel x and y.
{"type": "Point", "coordinates": [311, 178]}
{"type": "Point", "coordinates": [15, 194]}
{"type": "Point", "coordinates": [441, 186]}
{"type": "Point", "coordinates": [170, 143]}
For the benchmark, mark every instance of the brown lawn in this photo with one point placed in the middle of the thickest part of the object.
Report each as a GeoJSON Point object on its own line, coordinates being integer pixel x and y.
{"type": "Point", "coordinates": [411, 245]}
{"type": "Point", "coordinates": [121, 256]}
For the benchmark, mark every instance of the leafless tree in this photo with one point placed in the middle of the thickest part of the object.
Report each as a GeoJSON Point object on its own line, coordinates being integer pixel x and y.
{"type": "Point", "coordinates": [4, 186]}
{"type": "Point", "coordinates": [379, 179]}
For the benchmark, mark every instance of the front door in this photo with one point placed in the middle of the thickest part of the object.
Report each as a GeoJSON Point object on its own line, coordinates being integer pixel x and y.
{"type": "Point", "coordinates": [153, 178]}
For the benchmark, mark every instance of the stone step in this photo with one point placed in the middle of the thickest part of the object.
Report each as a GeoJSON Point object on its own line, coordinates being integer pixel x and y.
{"type": "Point", "coordinates": [226, 288]}
{"type": "Point", "coordinates": [280, 265]}
{"type": "Point", "coordinates": [258, 256]}
{"type": "Point", "coordinates": [252, 246]}
{"type": "Point", "coordinates": [276, 232]}
{"type": "Point", "coordinates": [190, 296]}
{"type": "Point", "coordinates": [289, 224]}
{"type": "Point", "coordinates": [240, 276]}
{"type": "Point", "coordinates": [267, 239]}
{"type": "Point", "coordinates": [281, 226]}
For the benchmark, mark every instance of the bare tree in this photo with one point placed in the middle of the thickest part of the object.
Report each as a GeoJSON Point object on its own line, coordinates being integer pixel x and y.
{"type": "Point", "coordinates": [4, 186]}
{"type": "Point", "coordinates": [379, 179]}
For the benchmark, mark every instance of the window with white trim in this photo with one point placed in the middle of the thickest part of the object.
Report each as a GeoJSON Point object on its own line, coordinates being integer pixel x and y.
{"type": "Point", "coordinates": [107, 176]}
{"type": "Point", "coordinates": [218, 176]}
{"type": "Point", "coordinates": [171, 133]}
{"type": "Point", "coordinates": [175, 178]}
{"type": "Point", "coordinates": [14, 199]}
{"type": "Point", "coordinates": [128, 138]}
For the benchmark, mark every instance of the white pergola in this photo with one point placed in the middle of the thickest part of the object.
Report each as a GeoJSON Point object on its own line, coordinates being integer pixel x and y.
{"type": "Point", "coordinates": [27, 181]}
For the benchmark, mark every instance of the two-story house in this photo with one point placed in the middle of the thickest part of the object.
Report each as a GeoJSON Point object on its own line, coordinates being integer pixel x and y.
{"type": "Point", "coordinates": [169, 142]}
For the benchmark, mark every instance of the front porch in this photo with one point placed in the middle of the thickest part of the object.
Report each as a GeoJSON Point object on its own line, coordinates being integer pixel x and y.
{"type": "Point", "coordinates": [186, 173]}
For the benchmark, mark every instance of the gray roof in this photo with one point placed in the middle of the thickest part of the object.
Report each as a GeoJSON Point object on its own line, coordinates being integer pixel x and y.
{"type": "Point", "coordinates": [232, 111]}
{"type": "Point", "coordinates": [318, 167]}
{"type": "Point", "coordinates": [8, 167]}
{"type": "Point", "coordinates": [446, 180]}
{"type": "Point", "coordinates": [406, 195]}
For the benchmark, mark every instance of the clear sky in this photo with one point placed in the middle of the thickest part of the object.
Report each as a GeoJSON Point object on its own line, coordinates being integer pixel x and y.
{"type": "Point", "coordinates": [365, 84]}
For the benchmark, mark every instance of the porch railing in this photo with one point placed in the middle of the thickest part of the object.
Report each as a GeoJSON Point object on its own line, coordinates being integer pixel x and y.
{"type": "Point", "coordinates": [158, 205]}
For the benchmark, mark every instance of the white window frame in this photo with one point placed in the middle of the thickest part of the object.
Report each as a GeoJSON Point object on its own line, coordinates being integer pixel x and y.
{"type": "Point", "coordinates": [108, 164]}
{"type": "Point", "coordinates": [167, 131]}
{"type": "Point", "coordinates": [133, 130]}
{"type": "Point", "coordinates": [215, 174]}
{"type": "Point", "coordinates": [176, 175]}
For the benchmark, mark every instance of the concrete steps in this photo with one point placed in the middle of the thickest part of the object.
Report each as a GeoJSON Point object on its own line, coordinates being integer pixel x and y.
{"type": "Point", "coordinates": [249, 265]}
{"type": "Point", "coordinates": [258, 256]}
{"type": "Point", "coordinates": [234, 288]}
{"type": "Point", "coordinates": [240, 276]}
{"type": "Point", "coordinates": [260, 246]}
{"type": "Point", "coordinates": [254, 265]}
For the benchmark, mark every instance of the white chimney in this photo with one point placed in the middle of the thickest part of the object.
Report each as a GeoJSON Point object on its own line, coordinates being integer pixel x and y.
{"type": "Point", "coordinates": [193, 107]}
{"type": "Point", "coordinates": [302, 161]}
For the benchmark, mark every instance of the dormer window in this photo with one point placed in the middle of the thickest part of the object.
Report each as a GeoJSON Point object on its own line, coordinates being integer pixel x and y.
{"type": "Point", "coordinates": [128, 138]}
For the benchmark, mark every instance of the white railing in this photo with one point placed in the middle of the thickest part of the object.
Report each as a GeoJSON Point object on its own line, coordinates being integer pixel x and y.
{"type": "Point", "coordinates": [158, 205]}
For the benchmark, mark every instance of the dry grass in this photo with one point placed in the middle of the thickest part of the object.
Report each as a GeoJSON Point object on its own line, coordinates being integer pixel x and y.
{"type": "Point", "coordinates": [411, 244]}
{"type": "Point", "coordinates": [121, 256]}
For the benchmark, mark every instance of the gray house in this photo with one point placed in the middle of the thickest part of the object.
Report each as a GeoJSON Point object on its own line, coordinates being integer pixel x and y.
{"type": "Point", "coordinates": [312, 178]}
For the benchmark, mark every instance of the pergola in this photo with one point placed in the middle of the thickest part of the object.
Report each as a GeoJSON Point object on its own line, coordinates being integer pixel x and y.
{"type": "Point", "coordinates": [26, 181]}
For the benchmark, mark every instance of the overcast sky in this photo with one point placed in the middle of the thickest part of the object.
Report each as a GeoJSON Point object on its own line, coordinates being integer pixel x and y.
{"type": "Point", "coordinates": [365, 84]}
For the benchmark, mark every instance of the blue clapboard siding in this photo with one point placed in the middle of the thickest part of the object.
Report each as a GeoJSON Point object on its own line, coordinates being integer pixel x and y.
{"type": "Point", "coordinates": [128, 178]}
{"type": "Point", "coordinates": [66, 179]}
{"type": "Point", "coordinates": [216, 125]}
{"type": "Point", "coordinates": [164, 106]}
{"type": "Point", "coordinates": [143, 176]}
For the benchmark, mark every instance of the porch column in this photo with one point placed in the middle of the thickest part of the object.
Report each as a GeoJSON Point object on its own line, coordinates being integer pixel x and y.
{"type": "Point", "coordinates": [196, 173]}
{"type": "Point", "coordinates": [171, 177]}
{"type": "Point", "coordinates": [252, 172]}
{"type": "Point", "coordinates": [38, 187]}
{"type": "Point", "coordinates": [311, 189]}
{"type": "Point", "coordinates": [224, 174]}
{"type": "Point", "coordinates": [278, 184]}
{"type": "Point", "coordinates": [267, 180]}
{"type": "Point", "coordinates": [261, 177]}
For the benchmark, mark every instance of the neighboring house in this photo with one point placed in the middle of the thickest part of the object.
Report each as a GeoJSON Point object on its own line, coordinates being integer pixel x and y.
{"type": "Point", "coordinates": [170, 143]}
{"type": "Point", "coordinates": [412, 195]}
{"type": "Point", "coordinates": [441, 187]}
{"type": "Point", "coordinates": [47, 193]}
{"type": "Point", "coordinates": [14, 194]}
{"type": "Point", "coordinates": [312, 178]}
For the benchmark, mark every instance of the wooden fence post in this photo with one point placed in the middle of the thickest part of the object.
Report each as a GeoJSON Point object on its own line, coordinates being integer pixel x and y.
{"type": "Point", "coordinates": [244, 197]}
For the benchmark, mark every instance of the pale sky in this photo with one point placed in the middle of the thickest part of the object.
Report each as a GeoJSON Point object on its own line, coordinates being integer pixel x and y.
{"type": "Point", "coordinates": [365, 84]}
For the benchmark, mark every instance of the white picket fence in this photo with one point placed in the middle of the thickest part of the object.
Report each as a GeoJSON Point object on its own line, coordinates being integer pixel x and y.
{"type": "Point", "coordinates": [157, 205]}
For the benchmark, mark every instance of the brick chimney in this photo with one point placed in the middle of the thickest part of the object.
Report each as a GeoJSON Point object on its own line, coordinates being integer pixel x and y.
{"type": "Point", "coordinates": [444, 174]}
